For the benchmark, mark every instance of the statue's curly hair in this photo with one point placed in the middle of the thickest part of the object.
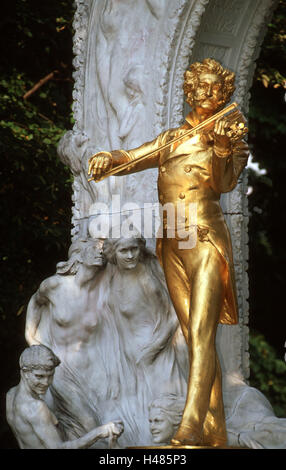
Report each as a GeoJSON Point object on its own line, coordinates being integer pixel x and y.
{"type": "Point", "coordinates": [170, 405]}
{"type": "Point", "coordinates": [38, 356]}
{"type": "Point", "coordinates": [191, 77]}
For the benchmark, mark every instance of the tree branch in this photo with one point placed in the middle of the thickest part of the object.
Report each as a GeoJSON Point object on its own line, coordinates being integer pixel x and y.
{"type": "Point", "coordinates": [39, 84]}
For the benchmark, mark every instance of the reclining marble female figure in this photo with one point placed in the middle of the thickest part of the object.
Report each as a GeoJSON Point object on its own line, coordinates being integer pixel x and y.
{"type": "Point", "coordinates": [251, 421]}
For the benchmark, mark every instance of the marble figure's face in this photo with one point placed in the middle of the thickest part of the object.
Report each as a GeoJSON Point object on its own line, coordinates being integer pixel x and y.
{"type": "Point", "coordinates": [208, 95]}
{"type": "Point", "coordinates": [161, 428]}
{"type": "Point", "coordinates": [39, 380]}
{"type": "Point", "coordinates": [92, 255]}
{"type": "Point", "coordinates": [127, 253]}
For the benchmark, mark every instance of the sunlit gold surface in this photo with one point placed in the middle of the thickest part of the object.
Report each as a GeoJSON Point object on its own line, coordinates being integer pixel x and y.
{"type": "Point", "coordinates": [200, 280]}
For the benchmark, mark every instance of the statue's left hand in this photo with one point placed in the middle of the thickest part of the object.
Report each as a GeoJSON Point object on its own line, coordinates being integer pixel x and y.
{"type": "Point", "coordinates": [222, 141]}
{"type": "Point", "coordinates": [228, 131]}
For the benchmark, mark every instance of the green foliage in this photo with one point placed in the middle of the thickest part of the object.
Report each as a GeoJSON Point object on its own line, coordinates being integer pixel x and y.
{"type": "Point", "coordinates": [267, 133]}
{"type": "Point", "coordinates": [271, 67]}
{"type": "Point", "coordinates": [267, 125]}
{"type": "Point", "coordinates": [36, 187]}
{"type": "Point", "coordinates": [268, 373]}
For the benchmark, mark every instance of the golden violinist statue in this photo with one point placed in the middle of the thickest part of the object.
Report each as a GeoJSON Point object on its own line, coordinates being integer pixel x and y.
{"type": "Point", "coordinates": [196, 169]}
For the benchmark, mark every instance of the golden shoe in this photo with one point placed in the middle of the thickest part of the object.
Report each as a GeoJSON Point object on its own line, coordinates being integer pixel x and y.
{"type": "Point", "coordinates": [185, 436]}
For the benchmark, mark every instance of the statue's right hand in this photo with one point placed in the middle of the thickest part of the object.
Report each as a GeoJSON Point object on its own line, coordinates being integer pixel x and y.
{"type": "Point", "coordinates": [112, 430]}
{"type": "Point", "coordinates": [99, 164]}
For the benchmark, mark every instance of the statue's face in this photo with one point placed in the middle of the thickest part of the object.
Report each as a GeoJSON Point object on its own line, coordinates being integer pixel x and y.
{"type": "Point", "coordinates": [207, 97]}
{"type": "Point", "coordinates": [93, 254]}
{"type": "Point", "coordinates": [39, 380]}
{"type": "Point", "coordinates": [127, 254]}
{"type": "Point", "coordinates": [160, 427]}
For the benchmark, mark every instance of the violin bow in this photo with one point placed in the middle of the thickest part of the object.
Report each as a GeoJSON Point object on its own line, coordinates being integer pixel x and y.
{"type": "Point", "coordinates": [195, 129]}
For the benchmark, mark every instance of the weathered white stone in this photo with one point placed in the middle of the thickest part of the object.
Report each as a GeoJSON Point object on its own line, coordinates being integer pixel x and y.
{"type": "Point", "coordinates": [34, 424]}
{"type": "Point", "coordinates": [116, 334]}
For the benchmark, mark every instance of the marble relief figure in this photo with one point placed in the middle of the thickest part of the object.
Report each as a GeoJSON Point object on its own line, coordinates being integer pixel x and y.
{"type": "Point", "coordinates": [35, 426]}
{"type": "Point", "coordinates": [107, 315]}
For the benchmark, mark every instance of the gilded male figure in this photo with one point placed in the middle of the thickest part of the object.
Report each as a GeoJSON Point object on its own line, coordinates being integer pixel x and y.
{"type": "Point", "coordinates": [201, 279]}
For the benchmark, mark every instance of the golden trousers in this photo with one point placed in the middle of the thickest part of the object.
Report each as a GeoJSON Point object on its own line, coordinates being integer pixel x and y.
{"type": "Point", "coordinates": [196, 280]}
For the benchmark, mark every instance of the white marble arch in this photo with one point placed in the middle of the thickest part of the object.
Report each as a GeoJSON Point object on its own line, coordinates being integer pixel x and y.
{"type": "Point", "coordinates": [130, 57]}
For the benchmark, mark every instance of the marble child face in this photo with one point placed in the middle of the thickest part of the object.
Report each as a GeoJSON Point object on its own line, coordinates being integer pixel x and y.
{"type": "Point", "coordinates": [127, 254]}
{"type": "Point", "coordinates": [160, 427]}
{"type": "Point", "coordinates": [39, 380]}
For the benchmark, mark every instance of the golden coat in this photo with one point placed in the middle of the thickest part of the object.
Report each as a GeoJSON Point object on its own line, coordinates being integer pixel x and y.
{"type": "Point", "coordinates": [191, 172]}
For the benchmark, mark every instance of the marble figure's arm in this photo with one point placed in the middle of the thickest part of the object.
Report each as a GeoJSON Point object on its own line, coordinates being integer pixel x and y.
{"type": "Point", "coordinates": [35, 309]}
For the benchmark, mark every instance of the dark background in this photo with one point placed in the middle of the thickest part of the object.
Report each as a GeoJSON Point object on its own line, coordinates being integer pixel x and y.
{"type": "Point", "coordinates": [36, 44]}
